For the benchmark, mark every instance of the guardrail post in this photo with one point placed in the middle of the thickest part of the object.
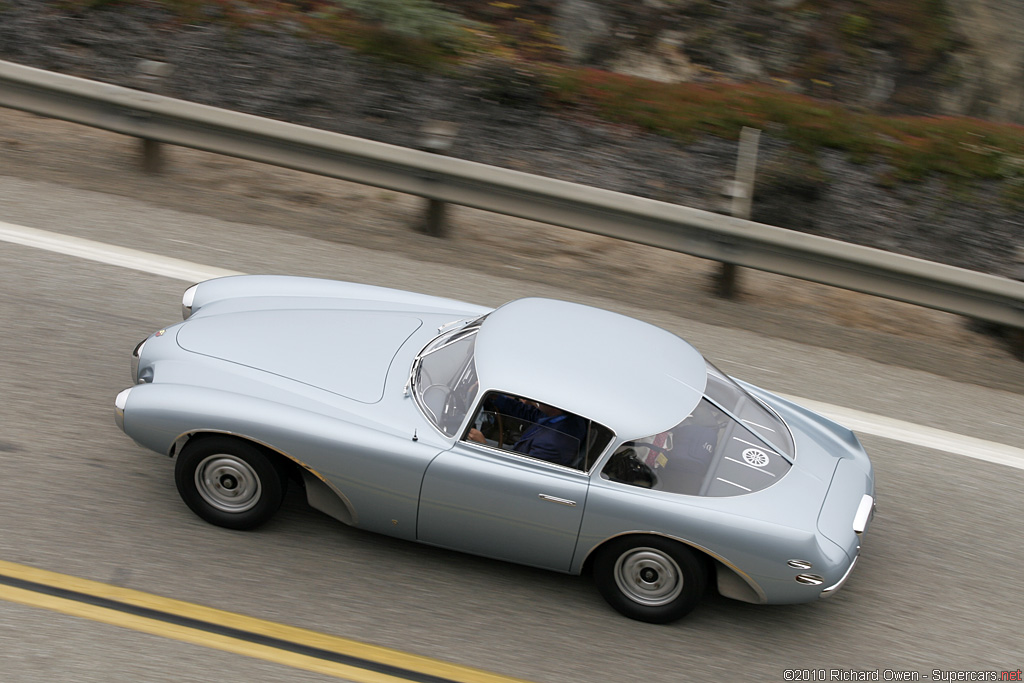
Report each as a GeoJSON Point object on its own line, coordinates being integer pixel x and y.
{"type": "Point", "coordinates": [150, 76]}
{"type": "Point", "coordinates": [741, 192]}
{"type": "Point", "coordinates": [438, 137]}
{"type": "Point", "coordinates": [1017, 334]}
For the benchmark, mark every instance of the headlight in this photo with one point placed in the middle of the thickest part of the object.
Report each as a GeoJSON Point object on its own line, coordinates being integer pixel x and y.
{"type": "Point", "coordinates": [119, 403]}
{"type": "Point", "coordinates": [186, 301]}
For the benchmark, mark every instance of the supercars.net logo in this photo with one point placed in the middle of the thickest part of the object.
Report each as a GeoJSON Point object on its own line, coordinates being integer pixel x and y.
{"type": "Point", "coordinates": [896, 675]}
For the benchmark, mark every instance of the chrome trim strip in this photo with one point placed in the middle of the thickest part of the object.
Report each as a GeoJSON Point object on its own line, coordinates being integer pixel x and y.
{"type": "Point", "coordinates": [555, 499]}
{"type": "Point", "coordinates": [444, 327]}
{"type": "Point", "coordinates": [831, 590]}
{"type": "Point", "coordinates": [865, 511]}
{"type": "Point", "coordinates": [809, 579]}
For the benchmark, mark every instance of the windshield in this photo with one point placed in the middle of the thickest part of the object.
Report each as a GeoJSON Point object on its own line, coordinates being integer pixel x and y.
{"type": "Point", "coordinates": [444, 378]}
{"type": "Point", "coordinates": [728, 446]}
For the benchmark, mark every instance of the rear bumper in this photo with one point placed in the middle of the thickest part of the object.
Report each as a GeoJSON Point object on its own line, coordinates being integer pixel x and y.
{"type": "Point", "coordinates": [834, 588]}
{"type": "Point", "coordinates": [861, 521]}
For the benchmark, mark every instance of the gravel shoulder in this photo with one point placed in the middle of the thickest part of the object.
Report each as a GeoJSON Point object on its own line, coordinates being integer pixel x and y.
{"type": "Point", "coordinates": [776, 307]}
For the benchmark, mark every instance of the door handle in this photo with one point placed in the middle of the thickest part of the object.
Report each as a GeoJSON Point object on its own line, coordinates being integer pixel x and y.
{"type": "Point", "coordinates": [554, 499]}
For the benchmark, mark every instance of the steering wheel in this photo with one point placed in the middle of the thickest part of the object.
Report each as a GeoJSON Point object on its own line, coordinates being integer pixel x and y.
{"type": "Point", "coordinates": [651, 446]}
{"type": "Point", "coordinates": [627, 468]}
{"type": "Point", "coordinates": [447, 398]}
{"type": "Point", "coordinates": [478, 423]}
{"type": "Point", "coordinates": [429, 387]}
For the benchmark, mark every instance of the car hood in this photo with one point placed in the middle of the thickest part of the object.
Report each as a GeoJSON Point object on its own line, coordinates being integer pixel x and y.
{"type": "Point", "coordinates": [344, 352]}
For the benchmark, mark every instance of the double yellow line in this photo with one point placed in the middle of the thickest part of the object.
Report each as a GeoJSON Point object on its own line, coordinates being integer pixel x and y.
{"type": "Point", "coordinates": [287, 645]}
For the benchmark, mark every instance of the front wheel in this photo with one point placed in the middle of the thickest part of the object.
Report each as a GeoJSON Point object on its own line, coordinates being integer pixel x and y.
{"type": "Point", "coordinates": [229, 482]}
{"type": "Point", "coordinates": [650, 578]}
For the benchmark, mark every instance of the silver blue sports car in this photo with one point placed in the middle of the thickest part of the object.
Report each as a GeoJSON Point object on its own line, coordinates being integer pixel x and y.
{"type": "Point", "coordinates": [542, 432]}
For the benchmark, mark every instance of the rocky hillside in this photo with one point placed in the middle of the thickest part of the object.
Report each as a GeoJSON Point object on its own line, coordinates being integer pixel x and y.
{"type": "Point", "coordinates": [827, 48]}
{"type": "Point", "coordinates": [954, 57]}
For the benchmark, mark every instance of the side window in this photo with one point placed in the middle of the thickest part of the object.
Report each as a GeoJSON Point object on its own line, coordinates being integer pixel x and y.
{"type": "Point", "coordinates": [537, 430]}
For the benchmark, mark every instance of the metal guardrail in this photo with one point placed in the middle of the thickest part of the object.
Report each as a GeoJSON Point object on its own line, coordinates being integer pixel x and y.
{"type": "Point", "coordinates": [603, 212]}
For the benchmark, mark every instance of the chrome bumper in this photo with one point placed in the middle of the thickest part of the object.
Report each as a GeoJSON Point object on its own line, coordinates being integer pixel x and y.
{"type": "Point", "coordinates": [831, 590]}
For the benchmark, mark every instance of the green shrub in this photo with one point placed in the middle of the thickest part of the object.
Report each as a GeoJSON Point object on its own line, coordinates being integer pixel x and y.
{"type": "Point", "coordinates": [416, 20]}
{"type": "Point", "coordinates": [915, 147]}
{"type": "Point", "coordinates": [856, 26]}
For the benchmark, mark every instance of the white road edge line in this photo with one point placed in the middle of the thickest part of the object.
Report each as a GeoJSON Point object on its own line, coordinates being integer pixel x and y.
{"type": "Point", "coordinates": [110, 254]}
{"type": "Point", "coordinates": [858, 421]}
{"type": "Point", "coordinates": [917, 435]}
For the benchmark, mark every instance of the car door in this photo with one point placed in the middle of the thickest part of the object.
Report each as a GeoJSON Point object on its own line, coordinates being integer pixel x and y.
{"type": "Point", "coordinates": [491, 502]}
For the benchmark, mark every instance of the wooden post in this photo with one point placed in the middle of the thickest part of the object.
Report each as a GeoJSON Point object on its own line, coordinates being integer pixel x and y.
{"type": "Point", "coordinates": [741, 192]}
{"type": "Point", "coordinates": [438, 137]}
{"type": "Point", "coordinates": [150, 77]}
{"type": "Point", "coordinates": [1017, 334]}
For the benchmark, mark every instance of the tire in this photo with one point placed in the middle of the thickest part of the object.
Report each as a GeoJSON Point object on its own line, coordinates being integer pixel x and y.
{"type": "Point", "coordinates": [229, 482]}
{"type": "Point", "coordinates": [650, 578]}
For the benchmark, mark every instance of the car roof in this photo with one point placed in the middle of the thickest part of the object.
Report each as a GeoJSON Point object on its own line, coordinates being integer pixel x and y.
{"type": "Point", "coordinates": [628, 375]}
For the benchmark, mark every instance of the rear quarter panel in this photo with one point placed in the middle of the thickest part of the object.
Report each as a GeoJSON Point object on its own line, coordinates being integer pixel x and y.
{"type": "Point", "coordinates": [754, 547]}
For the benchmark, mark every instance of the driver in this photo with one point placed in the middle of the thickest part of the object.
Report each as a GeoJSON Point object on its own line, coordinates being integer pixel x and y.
{"type": "Point", "coordinates": [552, 435]}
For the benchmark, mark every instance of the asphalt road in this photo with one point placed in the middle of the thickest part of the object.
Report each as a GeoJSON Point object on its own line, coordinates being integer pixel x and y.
{"type": "Point", "coordinates": [939, 586]}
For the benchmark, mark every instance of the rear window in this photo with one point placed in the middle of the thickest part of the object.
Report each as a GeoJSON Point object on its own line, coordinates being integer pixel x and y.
{"type": "Point", "coordinates": [725, 392]}
{"type": "Point", "coordinates": [730, 445]}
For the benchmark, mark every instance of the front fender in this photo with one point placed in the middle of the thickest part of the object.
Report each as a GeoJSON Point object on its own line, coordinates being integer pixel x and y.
{"type": "Point", "coordinates": [257, 292]}
{"type": "Point", "coordinates": [378, 473]}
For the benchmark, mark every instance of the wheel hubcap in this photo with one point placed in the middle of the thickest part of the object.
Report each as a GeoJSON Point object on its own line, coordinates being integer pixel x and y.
{"type": "Point", "coordinates": [648, 576]}
{"type": "Point", "coordinates": [228, 483]}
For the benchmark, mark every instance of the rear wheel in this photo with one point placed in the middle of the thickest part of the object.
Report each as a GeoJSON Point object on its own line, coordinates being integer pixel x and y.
{"type": "Point", "coordinates": [229, 482]}
{"type": "Point", "coordinates": [650, 578]}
